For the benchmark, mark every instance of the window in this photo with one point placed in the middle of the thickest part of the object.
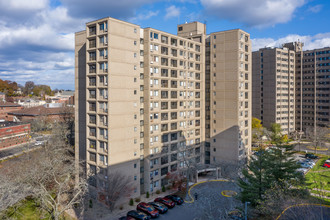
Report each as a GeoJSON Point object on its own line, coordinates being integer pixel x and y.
{"type": "Point", "coordinates": [180, 28]}
{"type": "Point", "coordinates": [135, 42]}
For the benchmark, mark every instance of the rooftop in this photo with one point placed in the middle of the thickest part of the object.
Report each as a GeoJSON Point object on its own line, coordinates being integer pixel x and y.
{"type": "Point", "coordinates": [10, 124]}
{"type": "Point", "coordinates": [42, 110]}
{"type": "Point", "coordinates": [9, 104]}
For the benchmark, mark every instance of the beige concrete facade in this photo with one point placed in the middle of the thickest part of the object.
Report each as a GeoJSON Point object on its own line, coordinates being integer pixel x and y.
{"type": "Point", "coordinates": [230, 95]}
{"type": "Point", "coordinates": [273, 80]}
{"type": "Point", "coordinates": [312, 86]}
{"type": "Point", "coordinates": [143, 100]}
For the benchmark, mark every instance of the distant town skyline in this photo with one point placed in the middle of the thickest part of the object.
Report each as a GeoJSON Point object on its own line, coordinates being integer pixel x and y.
{"type": "Point", "coordinates": [37, 36]}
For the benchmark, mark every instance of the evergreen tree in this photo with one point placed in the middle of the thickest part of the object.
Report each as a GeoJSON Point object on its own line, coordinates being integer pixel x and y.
{"type": "Point", "coordinates": [273, 166]}
{"type": "Point", "coordinates": [255, 183]}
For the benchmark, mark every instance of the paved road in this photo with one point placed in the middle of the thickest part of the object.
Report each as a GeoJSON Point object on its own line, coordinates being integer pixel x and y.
{"type": "Point", "coordinates": [20, 148]}
{"type": "Point", "coordinates": [306, 213]}
{"type": "Point", "coordinates": [303, 147]}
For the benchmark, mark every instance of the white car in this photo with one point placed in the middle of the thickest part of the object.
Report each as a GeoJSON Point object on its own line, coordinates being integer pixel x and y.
{"type": "Point", "coordinates": [37, 143]}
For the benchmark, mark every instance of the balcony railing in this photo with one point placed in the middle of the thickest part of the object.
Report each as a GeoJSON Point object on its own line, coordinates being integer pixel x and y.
{"type": "Point", "coordinates": [92, 109]}
{"type": "Point", "coordinates": [92, 96]}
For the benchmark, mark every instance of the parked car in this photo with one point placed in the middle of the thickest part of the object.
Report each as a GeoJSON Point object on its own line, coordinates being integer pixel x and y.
{"type": "Point", "coordinates": [311, 156]}
{"type": "Point", "coordinates": [326, 163]}
{"type": "Point", "coordinates": [159, 206]}
{"type": "Point", "coordinates": [177, 199]}
{"type": "Point", "coordinates": [126, 218]}
{"type": "Point", "coordinates": [148, 209]}
{"type": "Point", "coordinates": [304, 165]}
{"type": "Point", "coordinates": [138, 215]}
{"type": "Point", "coordinates": [310, 162]}
{"type": "Point", "coordinates": [168, 202]}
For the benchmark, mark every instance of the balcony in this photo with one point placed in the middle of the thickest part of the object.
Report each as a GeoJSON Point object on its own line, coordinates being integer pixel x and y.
{"type": "Point", "coordinates": [164, 105]}
{"type": "Point", "coordinates": [174, 53]}
{"type": "Point", "coordinates": [164, 116]}
{"type": "Point", "coordinates": [92, 56]}
{"type": "Point", "coordinates": [198, 85]}
{"type": "Point", "coordinates": [246, 48]}
{"type": "Point", "coordinates": [198, 67]}
{"type": "Point", "coordinates": [92, 120]}
{"type": "Point", "coordinates": [164, 62]}
{"type": "Point", "coordinates": [164, 40]}
{"type": "Point", "coordinates": [174, 42]}
{"type": "Point", "coordinates": [164, 73]}
{"type": "Point", "coordinates": [197, 123]}
{"type": "Point", "coordinates": [197, 105]}
{"type": "Point", "coordinates": [164, 51]}
{"type": "Point", "coordinates": [197, 132]}
{"type": "Point", "coordinates": [104, 110]}
{"type": "Point", "coordinates": [174, 84]}
{"type": "Point", "coordinates": [92, 96]}
{"type": "Point", "coordinates": [174, 94]}
{"type": "Point", "coordinates": [164, 95]}
{"type": "Point", "coordinates": [92, 83]}
{"type": "Point", "coordinates": [92, 31]}
{"type": "Point", "coordinates": [164, 127]}
{"type": "Point", "coordinates": [174, 105]}
{"type": "Point", "coordinates": [92, 108]}
{"type": "Point", "coordinates": [174, 73]}
{"type": "Point", "coordinates": [174, 63]}
{"type": "Point", "coordinates": [198, 76]}
{"type": "Point", "coordinates": [164, 84]}
{"type": "Point", "coordinates": [174, 115]}
{"type": "Point", "coordinates": [174, 126]}
{"type": "Point", "coordinates": [198, 95]}
{"type": "Point", "coordinates": [92, 133]}
{"type": "Point", "coordinates": [92, 43]}
{"type": "Point", "coordinates": [92, 70]}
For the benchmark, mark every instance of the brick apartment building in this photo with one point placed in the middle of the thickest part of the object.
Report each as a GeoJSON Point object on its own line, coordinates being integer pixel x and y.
{"type": "Point", "coordinates": [12, 133]}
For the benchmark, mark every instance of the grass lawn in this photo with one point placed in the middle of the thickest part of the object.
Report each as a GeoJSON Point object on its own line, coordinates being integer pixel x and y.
{"type": "Point", "coordinates": [27, 210]}
{"type": "Point", "coordinates": [319, 180]}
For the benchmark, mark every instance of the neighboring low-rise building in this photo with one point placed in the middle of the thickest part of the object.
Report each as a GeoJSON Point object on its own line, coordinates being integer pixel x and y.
{"type": "Point", "coordinates": [29, 103]}
{"type": "Point", "coordinates": [52, 111]}
{"type": "Point", "coordinates": [2, 96]}
{"type": "Point", "coordinates": [6, 107]}
{"type": "Point", "coordinates": [13, 133]}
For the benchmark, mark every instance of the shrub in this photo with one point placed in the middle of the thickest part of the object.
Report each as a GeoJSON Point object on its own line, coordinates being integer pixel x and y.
{"type": "Point", "coordinates": [137, 200]}
{"type": "Point", "coordinates": [158, 191]}
{"type": "Point", "coordinates": [147, 195]}
{"type": "Point", "coordinates": [163, 189]}
{"type": "Point", "coordinates": [131, 202]}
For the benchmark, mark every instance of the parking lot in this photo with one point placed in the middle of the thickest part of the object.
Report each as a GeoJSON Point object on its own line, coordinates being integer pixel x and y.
{"type": "Point", "coordinates": [211, 203]}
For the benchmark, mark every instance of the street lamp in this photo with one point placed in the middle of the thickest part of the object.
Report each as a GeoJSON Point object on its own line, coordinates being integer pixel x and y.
{"type": "Point", "coordinates": [246, 204]}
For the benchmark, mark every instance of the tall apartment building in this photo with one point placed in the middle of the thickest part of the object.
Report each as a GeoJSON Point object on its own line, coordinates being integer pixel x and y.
{"type": "Point", "coordinates": [230, 95]}
{"type": "Point", "coordinates": [227, 92]}
{"type": "Point", "coordinates": [273, 77]}
{"type": "Point", "coordinates": [140, 100]}
{"type": "Point", "coordinates": [312, 86]}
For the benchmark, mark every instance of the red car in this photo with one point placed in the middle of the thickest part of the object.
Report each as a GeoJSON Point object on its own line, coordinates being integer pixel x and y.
{"type": "Point", "coordinates": [148, 209]}
{"type": "Point", "coordinates": [169, 203]}
{"type": "Point", "coordinates": [326, 163]}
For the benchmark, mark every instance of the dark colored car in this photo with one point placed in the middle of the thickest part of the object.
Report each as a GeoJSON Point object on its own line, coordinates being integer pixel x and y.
{"type": "Point", "coordinates": [138, 215]}
{"type": "Point", "coordinates": [126, 218]}
{"type": "Point", "coordinates": [168, 202]}
{"type": "Point", "coordinates": [148, 209]}
{"type": "Point", "coordinates": [159, 206]}
{"type": "Point", "coordinates": [177, 199]}
{"type": "Point", "coordinates": [311, 156]}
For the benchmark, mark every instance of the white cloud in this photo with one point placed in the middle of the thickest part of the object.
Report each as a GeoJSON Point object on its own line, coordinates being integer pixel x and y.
{"type": "Point", "coordinates": [257, 13]}
{"type": "Point", "coordinates": [144, 16]}
{"type": "Point", "coordinates": [30, 5]}
{"type": "Point", "coordinates": [172, 11]}
{"type": "Point", "coordinates": [310, 42]}
{"type": "Point", "coordinates": [315, 9]}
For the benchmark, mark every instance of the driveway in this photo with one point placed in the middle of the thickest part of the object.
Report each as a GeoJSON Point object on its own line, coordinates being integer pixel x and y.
{"type": "Point", "coordinates": [211, 204]}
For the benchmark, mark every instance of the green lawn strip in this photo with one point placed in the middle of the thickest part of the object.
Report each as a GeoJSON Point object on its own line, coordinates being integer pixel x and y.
{"type": "Point", "coordinates": [27, 210]}
{"type": "Point", "coordinates": [319, 180]}
{"type": "Point", "coordinates": [321, 193]}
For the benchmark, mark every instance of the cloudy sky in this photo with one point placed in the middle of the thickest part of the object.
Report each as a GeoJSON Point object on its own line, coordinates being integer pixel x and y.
{"type": "Point", "coordinates": [37, 36]}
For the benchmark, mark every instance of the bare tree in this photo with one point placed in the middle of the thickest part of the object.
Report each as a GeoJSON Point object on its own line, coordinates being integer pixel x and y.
{"type": "Point", "coordinates": [117, 186]}
{"type": "Point", "coordinates": [187, 161]}
{"type": "Point", "coordinates": [317, 135]}
{"type": "Point", "coordinates": [48, 176]}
